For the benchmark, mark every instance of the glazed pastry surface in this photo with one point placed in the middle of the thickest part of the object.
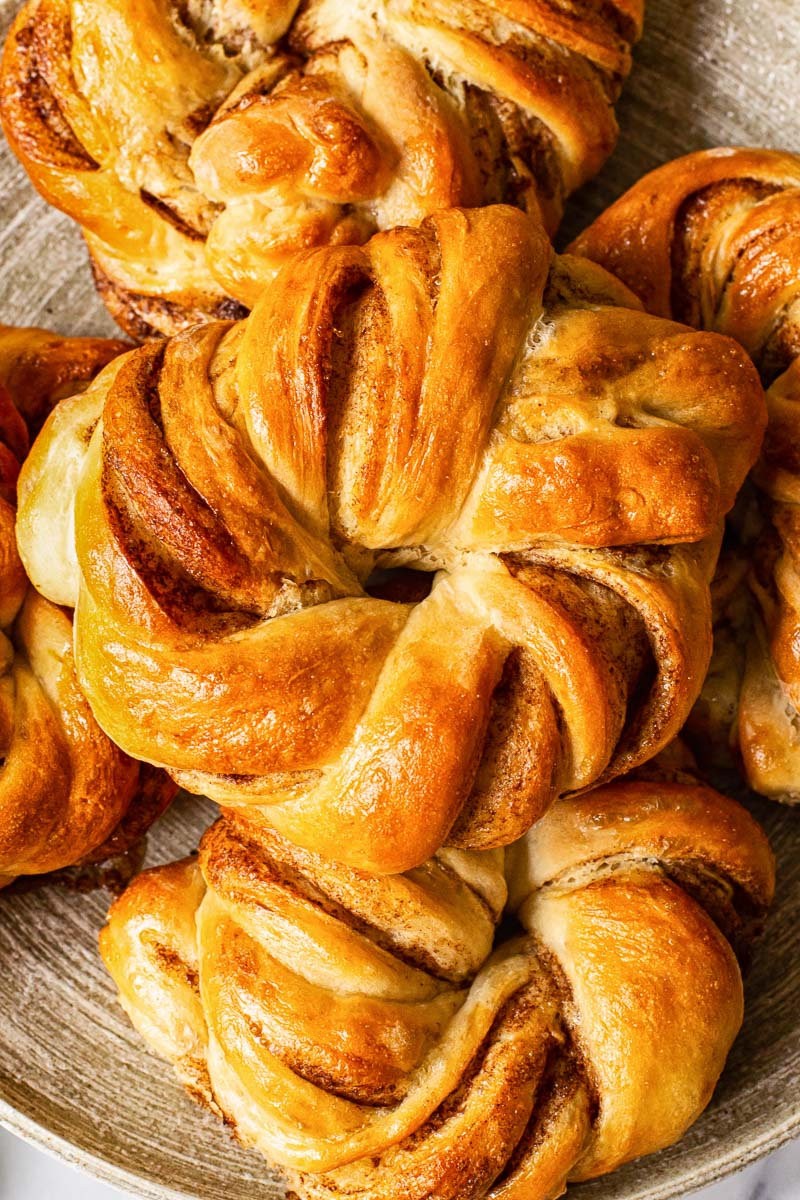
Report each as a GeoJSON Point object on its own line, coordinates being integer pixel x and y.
{"type": "Point", "coordinates": [199, 144]}
{"type": "Point", "coordinates": [67, 794]}
{"type": "Point", "coordinates": [552, 463]}
{"type": "Point", "coordinates": [362, 1032]}
{"type": "Point", "coordinates": [713, 239]}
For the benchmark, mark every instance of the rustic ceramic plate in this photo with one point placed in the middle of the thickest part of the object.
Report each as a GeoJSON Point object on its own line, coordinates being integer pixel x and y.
{"type": "Point", "coordinates": [73, 1077]}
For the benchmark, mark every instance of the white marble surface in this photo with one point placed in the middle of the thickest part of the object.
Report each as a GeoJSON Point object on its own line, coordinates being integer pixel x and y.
{"type": "Point", "coordinates": [28, 1174]}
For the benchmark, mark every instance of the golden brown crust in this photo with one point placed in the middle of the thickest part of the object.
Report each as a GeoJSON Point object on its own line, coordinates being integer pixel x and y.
{"type": "Point", "coordinates": [13, 448]}
{"type": "Point", "coordinates": [39, 368]}
{"type": "Point", "coordinates": [67, 794]}
{"type": "Point", "coordinates": [686, 239]}
{"type": "Point", "coordinates": [358, 1030]}
{"type": "Point", "coordinates": [451, 398]}
{"type": "Point", "coordinates": [144, 316]}
{"type": "Point", "coordinates": [713, 239]}
{"type": "Point", "coordinates": [198, 151]}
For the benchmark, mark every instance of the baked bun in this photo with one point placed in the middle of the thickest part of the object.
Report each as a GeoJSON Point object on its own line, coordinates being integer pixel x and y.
{"type": "Point", "coordinates": [67, 794]}
{"type": "Point", "coordinates": [199, 144]}
{"type": "Point", "coordinates": [713, 239]}
{"type": "Point", "coordinates": [453, 399]}
{"type": "Point", "coordinates": [360, 1031]}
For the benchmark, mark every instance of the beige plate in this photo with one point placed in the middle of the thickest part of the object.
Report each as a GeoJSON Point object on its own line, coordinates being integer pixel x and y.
{"type": "Point", "coordinates": [73, 1077]}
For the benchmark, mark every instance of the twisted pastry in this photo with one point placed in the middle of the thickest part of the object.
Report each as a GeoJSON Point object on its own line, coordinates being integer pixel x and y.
{"type": "Point", "coordinates": [357, 1030]}
{"type": "Point", "coordinates": [198, 144]}
{"type": "Point", "coordinates": [67, 794]}
{"type": "Point", "coordinates": [451, 398]}
{"type": "Point", "coordinates": [713, 239]}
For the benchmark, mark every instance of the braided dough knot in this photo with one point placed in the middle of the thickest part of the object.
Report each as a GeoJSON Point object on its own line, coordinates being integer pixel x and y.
{"type": "Point", "coordinates": [451, 399]}
{"type": "Point", "coordinates": [200, 143]}
{"type": "Point", "coordinates": [713, 239]}
{"type": "Point", "coordinates": [67, 794]}
{"type": "Point", "coordinates": [360, 1031]}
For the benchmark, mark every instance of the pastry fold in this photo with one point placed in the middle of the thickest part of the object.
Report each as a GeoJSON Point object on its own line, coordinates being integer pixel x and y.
{"type": "Point", "coordinates": [201, 144]}
{"type": "Point", "coordinates": [362, 1032]}
{"type": "Point", "coordinates": [713, 239]}
{"type": "Point", "coordinates": [68, 795]}
{"type": "Point", "coordinates": [547, 463]}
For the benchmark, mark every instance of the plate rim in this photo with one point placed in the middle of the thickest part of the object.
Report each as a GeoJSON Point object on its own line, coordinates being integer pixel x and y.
{"type": "Point", "coordinates": [36, 1134]}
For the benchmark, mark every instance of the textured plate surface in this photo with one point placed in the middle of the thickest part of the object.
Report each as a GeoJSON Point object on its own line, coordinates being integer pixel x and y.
{"type": "Point", "coordinates": [73, 1076]}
